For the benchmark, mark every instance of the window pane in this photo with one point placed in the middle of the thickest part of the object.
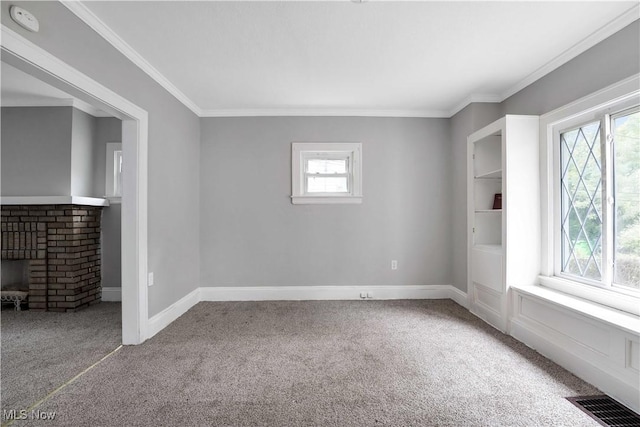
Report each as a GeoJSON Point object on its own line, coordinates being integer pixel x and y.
{"type": "Point", "coordinates": [626, 133]}
{"type": "Point", "coordinates": [581, 182]}
{"type": "Point", "coordinates": [326, 166]}
{"type": "Point", "coordinates": [326, 184]}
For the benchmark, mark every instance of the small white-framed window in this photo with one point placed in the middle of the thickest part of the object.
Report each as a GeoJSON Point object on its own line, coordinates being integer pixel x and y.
{"type": "Point", "coordinates": [328, 172]}
{"type": "Point", "coordinates": [113, 171]}
{"type": "Point", "coordinates": [591, 197]}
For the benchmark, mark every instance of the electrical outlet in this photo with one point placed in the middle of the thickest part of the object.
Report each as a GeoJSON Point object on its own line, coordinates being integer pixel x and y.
{"type": "Point", "coordinates": [394, 264]}
{"type": "Point", "coordinates": [150, 281]}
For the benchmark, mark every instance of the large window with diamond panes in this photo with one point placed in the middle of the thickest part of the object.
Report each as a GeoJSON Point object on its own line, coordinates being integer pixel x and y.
{"type": "Point", "coordinates": [600, 200]}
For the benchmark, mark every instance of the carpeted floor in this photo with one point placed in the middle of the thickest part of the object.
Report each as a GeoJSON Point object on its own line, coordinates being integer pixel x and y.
{"type": "Point", "coordinates": [323, 363]}
{"type": "Point", "coordinates": [43, 350]}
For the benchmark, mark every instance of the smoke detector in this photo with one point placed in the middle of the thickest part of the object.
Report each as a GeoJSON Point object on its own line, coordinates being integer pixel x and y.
{"type": "Point", "coordinates": [24, 18]}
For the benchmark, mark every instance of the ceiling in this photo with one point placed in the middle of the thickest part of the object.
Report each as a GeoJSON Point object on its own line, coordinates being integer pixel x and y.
{"type": "Point", "coordinates": [425, 59]}
{"type": "Point", "coordinates": [19, 89]}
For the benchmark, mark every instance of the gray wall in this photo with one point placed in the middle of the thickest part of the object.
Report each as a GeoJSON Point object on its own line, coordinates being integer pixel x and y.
{"type": "Point", "coordinates": [82, 148]}
{"type": "Point", "coordinates": [251, 234]}
{"type": "Point", "coordinates": [610, 61]}
{"type": "Point", "coordinates": [174, 144]}
{"type": "Point", "coordinates": [111, 246]}
{"type": "Point", "coordinates": [108, 129]}
{"type": "Point", "coordinates": [36, 151]}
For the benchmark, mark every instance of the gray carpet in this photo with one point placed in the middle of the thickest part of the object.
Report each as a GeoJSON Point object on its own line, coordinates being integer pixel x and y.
{"type": "Point", "coordinates": [43, 350]}
{"type": "Point", "coordinates": [329, 363]}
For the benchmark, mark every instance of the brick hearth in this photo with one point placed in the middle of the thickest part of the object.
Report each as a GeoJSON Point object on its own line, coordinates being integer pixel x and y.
{"type": "Point", "coordinates": [62, 245]}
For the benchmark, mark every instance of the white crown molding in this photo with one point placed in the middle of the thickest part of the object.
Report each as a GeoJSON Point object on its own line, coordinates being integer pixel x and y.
{"type": "Point", "coordinates": [95, 23]}
{"type": "Point", "coordinates": [473, 98]}
{"type": "Point", "coordinates": [585, 44]}
{"type": "Point", "coordinates": [323, 112]}
{"type": "Point", "coordinates": [582, 46]}
{"type": "Point", "coordinates": [89, 18]}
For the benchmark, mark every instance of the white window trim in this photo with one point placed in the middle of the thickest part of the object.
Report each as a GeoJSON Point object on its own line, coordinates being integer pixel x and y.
{"type": "Point", "coordinates": [302, 150]}
{"type": "Point", "coordinates": [109, 178]}
{"type": "Point", "coordinates": [615, 98]}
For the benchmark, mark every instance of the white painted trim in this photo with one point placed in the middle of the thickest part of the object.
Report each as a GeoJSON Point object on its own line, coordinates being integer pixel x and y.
{"type": "Point", "coordinates": [324, 112]}
{"type": "Point", "coordinates": [322, 293]}
{"type": "Point", "coordinates": [171, 313]}
{"type": "Point", "coordinates": [458, 296]}
{"type": "Point", "coordinates": [110, 294]}
{"type": "Point", "coordinates": [53, 200]}
{"type": "Point", "coordinates": [621, 320]}
{"type": "Point", "coordinates": [349, 151]}
{"type": "Point", "coordinates": [89, 18]}
{"type": "Point", "coordinates": [325, 200]}
{"type": "Point", "coordinates": [614, 298]}
{"type": "Point", "coordinates": [30, 58]}
{"type": "Point", "coordinates": [582, 46]}
{"type": "Point", "coordinates": [569, 345]}
{"type": "Point", "coordinates": [585, 370]}
{"type": "Point", "coordinates": [297, 293]}
{"type": "Point", "coordinates": [473, 98]}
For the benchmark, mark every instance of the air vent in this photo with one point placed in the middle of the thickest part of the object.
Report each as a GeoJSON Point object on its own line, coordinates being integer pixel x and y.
{"type": "Point", "coordinates": [606, 411]}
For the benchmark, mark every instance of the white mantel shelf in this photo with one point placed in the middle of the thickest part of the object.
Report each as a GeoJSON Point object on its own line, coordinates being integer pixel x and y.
{"type": "Point", "coordinates": [53, 200]}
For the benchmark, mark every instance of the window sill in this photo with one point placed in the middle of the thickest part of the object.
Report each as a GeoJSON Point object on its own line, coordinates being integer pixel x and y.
{"type": "Point", "coordinates": [622, 320]}
{"type": "Point", "coordinates": [330, 200]}
{"type": "Point", "coordinates": [608, 298]}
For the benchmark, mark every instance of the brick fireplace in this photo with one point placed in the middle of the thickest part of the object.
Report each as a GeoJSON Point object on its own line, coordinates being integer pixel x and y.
{"type": "Point", "coordinates": [61, 244]}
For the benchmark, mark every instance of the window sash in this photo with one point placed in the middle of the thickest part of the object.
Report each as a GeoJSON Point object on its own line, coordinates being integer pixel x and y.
{"type": "Point", "coordinates": [304, 152]}
{"type": "Point", "coordinates": [618, 197]}
{"type": "Point", "coordinates": [607, 197]}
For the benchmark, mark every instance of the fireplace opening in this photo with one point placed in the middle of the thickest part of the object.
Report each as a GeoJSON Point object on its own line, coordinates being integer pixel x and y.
{"type": "Point", "coordinates": [14, 285]}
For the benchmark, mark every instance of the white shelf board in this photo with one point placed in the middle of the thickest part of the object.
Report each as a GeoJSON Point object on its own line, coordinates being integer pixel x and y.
{"type": "Point", "coordinates": [489, 211]}
{"type": "Point", "coordinates": [53, 200]}
{"type": "Point", "coordinates": [489, 248]}
{"type": "Point", "coordinates": [494, 174]}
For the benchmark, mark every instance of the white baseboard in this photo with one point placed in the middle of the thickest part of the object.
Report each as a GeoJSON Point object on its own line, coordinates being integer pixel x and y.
{"type": "Point", "coordinates": [171, 313]}
{"type": "Point", "coordinates": [319, 293]}
{"type": "Point", "coordinates": [298, 293]}
{"type": "Point", "coordinates": [112, 294]}
{"type": "Point", "coordinates": [458, 296]}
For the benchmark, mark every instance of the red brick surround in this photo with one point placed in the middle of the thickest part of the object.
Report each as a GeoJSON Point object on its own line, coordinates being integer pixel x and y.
{"type": "Point", "coordinates": [62, 246]}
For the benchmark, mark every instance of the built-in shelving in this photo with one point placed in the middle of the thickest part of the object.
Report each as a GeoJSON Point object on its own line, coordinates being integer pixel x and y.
{"type": "Point", "coordinates": [503, 244]}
